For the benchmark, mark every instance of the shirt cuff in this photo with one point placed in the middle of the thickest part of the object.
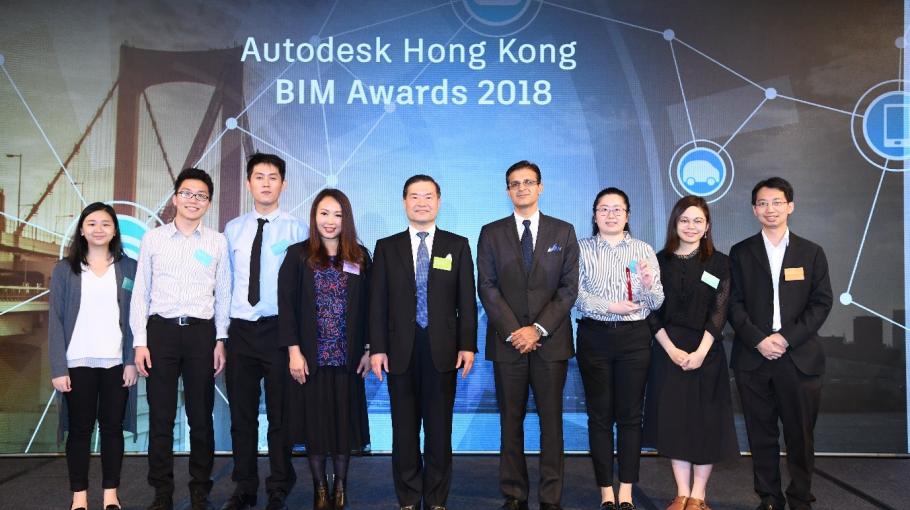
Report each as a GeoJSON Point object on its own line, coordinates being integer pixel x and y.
{"type": "Point", "coordinates": [545, 332]}
{"type": "Point", "coordinates": [139, 340]}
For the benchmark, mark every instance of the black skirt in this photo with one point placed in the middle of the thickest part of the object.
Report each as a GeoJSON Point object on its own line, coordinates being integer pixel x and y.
{"type": "Point", "coordinates": [689, 414]}
{"type": "Point", "coordinates": [328, 413]}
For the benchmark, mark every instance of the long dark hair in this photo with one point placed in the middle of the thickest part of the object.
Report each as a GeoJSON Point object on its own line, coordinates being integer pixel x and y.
{"type": "Point", "coordinates": [79, 247]}
{"type": "Point", "coordinates": [348, 247]}
{"type": "Point", "coordinates": [705, 244]}
{"type": "Point", "coordinates": [610, 191]}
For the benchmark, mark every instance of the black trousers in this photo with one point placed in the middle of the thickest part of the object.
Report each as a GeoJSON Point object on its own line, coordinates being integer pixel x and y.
{"type": "Point", "coordinates": [547, 379]}
{"type": "Point", "coordinates": [181, 351]}
{"type": "Point", "coordinates": [253, 355]}
{"type": "Point", "coordinates": [777, 390]}
{"type": "Point", "coordinates": [613, 359]}
{"type": "Point", "coordinates": [97, 393]}
{"type": "Point", "coordinates": [421, 394]}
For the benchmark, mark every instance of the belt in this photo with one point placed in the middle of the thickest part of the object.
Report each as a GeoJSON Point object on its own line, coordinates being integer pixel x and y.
{"type": "Point", "coordinates": [183, 320]}
{"type": "Point", "coordinates": [611, 324]}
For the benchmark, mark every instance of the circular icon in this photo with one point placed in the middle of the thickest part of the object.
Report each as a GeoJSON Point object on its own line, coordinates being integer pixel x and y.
{"type": "Point", "coordinates": [884, 123]}
{"type": "Point", "coordinates": [701, 168]}
{"type": "Point", "coordinates": [496, 18]}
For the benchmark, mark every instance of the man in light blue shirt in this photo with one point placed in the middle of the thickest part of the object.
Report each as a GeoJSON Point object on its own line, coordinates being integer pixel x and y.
{"type": "Point", "coordinates": [257, 242]}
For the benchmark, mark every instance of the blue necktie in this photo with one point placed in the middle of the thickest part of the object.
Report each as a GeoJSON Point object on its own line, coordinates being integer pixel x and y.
{"type": "Point", "coordinates": [527, 246]}
{"type": "Point", "coordinates": [423, 267]}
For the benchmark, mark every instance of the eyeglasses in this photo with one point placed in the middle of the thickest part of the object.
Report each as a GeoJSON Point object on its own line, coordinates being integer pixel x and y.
{"type": "Point", "coordinates": [777, 204]}
{"type": "Point", "coordinates": [698, 222]}
{"type": "Point", "coordinates": [606, 211]}
{"type": "Point", "coordinates": [187, 195]}
{"type": "Point", "coordinates": [527, 183]}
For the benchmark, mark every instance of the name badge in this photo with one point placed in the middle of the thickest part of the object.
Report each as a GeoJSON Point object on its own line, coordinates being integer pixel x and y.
{"type": "Point", "coordinates": [710, 279]}
{"type": "Point", "coordinates": [350, 267]}
{"type": "Point", "coordinates": [280, 247]}
{"type": "Point", "coordinates": [443, 263]}
{"type": "Point", "coordinates": [794, 274]}
{"type": "Point", "coordinates": [633, 266]}
{"type": "Point", "coordinates": [203, 257]}
{"type": "Point", "coordinates": [127, 284]}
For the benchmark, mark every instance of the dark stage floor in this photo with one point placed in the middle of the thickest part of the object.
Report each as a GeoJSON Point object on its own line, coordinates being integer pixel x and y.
{"type": "Point", "coordinates": [854, 483]}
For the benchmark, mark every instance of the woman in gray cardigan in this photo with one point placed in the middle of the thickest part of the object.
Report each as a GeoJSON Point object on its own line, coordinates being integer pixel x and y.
{"type": "Point", "coordinates": [91, 350]}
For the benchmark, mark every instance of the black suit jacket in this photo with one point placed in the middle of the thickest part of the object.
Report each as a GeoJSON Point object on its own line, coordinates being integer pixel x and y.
{"type": "Point", "coordinates": [513, 299]}
{"type": "Point", "coordinates": [297, 306]}
{"type": "Point", "coordinates": [451, 306]}
{"type": "Point", "coordinates": [804, 304]}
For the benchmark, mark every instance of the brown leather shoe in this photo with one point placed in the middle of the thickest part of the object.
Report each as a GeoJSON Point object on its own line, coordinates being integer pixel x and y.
{"type": "Point", "coordinates": [696, 504]}
{"type": "Point", "coordinates": [678, 504]}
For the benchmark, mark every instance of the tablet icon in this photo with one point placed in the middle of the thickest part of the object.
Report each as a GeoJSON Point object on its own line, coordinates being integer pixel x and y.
{"type": "Point", "coordinates": [897, 126]}
{"type": "Point", "coordinates": [886, 125]}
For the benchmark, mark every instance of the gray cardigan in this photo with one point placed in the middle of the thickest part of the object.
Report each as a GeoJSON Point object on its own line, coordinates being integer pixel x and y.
{"type": "Point", "coordinates": [65, 297]}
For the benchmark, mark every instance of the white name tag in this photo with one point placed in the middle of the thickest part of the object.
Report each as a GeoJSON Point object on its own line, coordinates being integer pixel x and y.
{"type": "Point", "coordinates": [710, 279]}
{"type": "Point", "coordinates": [350, 267]}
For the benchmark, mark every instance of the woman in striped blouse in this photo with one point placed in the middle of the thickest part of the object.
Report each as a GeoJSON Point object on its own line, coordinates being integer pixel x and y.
{"type": "Point", "coordinates": [619, 286]}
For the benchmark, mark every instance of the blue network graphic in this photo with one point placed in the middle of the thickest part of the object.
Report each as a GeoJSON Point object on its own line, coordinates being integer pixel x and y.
{"type": "Point", "coordinates": [880, 124]}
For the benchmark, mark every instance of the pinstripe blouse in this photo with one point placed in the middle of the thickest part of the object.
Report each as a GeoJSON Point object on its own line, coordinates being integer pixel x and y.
{"type": "Point", "coordinates": [602, 278]}
{"type": "Point", "coordinates": [181, 275]}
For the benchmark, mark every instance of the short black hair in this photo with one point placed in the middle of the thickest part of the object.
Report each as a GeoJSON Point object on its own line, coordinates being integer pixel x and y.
{"type": "Point", "coordinates": [778, 183]}
{"type": "Point", "coordinates": [194, 173]}
{"type": "Point", "coordinates": [420, 178]}
{"type": "Point", "coordinates": [521, 165]}
{"type": "Point", "coordinates": [268, 159]}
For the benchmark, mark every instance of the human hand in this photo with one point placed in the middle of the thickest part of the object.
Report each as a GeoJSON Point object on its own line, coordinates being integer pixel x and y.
{"type": "Point", "coordinates": [380, 363]}
{"type": "Point", "coordinates": [297, 366]}
{"type": "Point", "coordinates": [130, 375]}
{"type": "Point", "coordinates": [466, 361]}
{"type": "Point", "coordinates": [62, 384]}
{"type": "Point", "coordinates": [218, 358]}
{"type": "Point", "coordinates": [143, 360]}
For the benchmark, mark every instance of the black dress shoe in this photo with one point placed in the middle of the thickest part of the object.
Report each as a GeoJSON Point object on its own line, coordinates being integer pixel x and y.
{"type": "Point", "coordinates": [436, 507]}
{"type": "Point", "coordinates": [514, 504]}
{"type": "Point", "coordinates": [608, 505]}
{"type": "Point", "coordinates": [277, 500]}
{"type": "Point", "coordinates": [112, 507]}
{"type": "Point", "coordinates": [162, 502]}
{"type": "Point", "coordinates": [240, 501]}
{"type": "Point", "coordinates": [199, 500]}
{"type": "Point", "coordinates": [408, 507]}
{"type": "Point", "coordinates": [550, 506]}
{"type": "Point", "coordinates": [626, 506]}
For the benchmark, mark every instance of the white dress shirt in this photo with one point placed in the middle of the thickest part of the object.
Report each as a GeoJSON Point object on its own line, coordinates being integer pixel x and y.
{"type": "Point", "coordinates": [776, 259]}
{"type": "Point", "coordinates": [181, 275]}
{"type": "Point", "coordinates": [535, 222]}
{"type": "Point", "coordinates": [281, 231]}
{"type": "Point", "coordinates": [415, 244]}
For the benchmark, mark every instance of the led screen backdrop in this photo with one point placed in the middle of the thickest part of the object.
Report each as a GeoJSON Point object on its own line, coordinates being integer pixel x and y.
{"type": "Point", "coordinates": [109, 100]}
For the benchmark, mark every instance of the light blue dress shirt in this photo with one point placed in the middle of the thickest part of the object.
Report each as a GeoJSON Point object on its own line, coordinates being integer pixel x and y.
{"type": "Point", "coordinates": [281, 231]}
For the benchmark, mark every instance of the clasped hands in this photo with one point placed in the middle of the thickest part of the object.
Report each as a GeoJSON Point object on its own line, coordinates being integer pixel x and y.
{"type": "Point", "coordinates": [773, 346]}
{"type": "Point", "coordinates": [526, 339]}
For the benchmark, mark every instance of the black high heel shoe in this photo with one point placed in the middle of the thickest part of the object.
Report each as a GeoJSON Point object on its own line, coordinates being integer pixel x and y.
{"type": "Point", "coordinates": [340, 498]}
{"type": "Point", "coordinates": [321, 496]}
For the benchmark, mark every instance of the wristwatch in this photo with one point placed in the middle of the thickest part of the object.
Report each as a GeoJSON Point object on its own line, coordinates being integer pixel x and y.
{"type": "Point", "coordinates": [540, 330]}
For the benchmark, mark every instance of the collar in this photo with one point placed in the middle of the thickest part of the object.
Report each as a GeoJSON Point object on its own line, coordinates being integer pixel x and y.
{"type": "Point", "coordinates": [626, 239]}
{"type": "Point", "coordinates": [784, 242]}
{"type": "Point", "coordinates": [535, 218]}
{"type": "Point", "coordinates": [272, 216]}
{"type": "Point", "coordinates": [171, 229]}
{"type": "Point", "coordinates": [413, 231]}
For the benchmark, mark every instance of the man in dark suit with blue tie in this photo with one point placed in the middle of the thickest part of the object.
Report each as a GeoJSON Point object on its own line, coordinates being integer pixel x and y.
{"type": "Point", "coordinates": [780, 297]}
{"type": "Point", "coordinates": [527, 273]}
{"type": "Point", "coordinates": [423, 328]}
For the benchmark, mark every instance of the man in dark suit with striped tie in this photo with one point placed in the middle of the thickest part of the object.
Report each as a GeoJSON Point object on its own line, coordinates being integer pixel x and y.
{"type": "Point", "coordinates": [527, 274]}
{"type": "Point", "coordinates": [423, 328]}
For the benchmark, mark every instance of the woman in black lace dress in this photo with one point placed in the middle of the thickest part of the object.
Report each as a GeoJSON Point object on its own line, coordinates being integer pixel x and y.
{"type": "Point", "coordinates": [689, 414]}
